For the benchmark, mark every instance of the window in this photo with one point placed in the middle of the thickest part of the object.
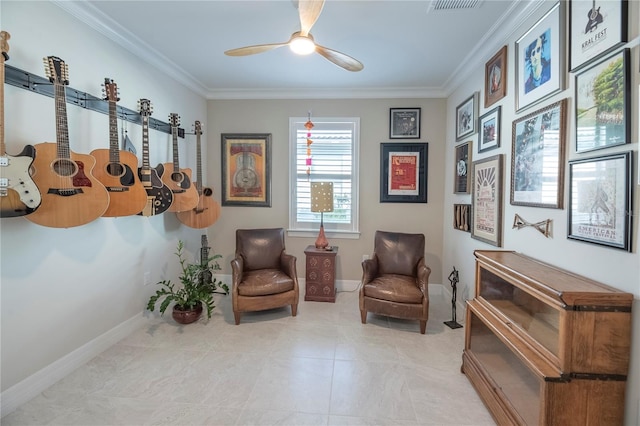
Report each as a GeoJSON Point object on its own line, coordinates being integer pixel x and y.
{"type": "Point", "coordinates": [334, 157]}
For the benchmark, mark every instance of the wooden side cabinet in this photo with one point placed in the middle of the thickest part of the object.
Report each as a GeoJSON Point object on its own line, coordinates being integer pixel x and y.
{"type": "Point", "coordinates": [320, 275]}
{"type": "Point", "coordinates": [544, 346]}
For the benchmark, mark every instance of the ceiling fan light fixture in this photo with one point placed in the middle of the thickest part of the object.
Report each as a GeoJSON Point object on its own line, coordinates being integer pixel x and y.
{"type": "Point", "coordinates": [302, 45]}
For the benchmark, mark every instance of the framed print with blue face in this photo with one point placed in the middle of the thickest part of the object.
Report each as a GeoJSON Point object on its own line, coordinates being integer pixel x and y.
{"type": "Point", "coordinates": [540, 59]}
{"type": "Point", "coordinates": [596, 27]}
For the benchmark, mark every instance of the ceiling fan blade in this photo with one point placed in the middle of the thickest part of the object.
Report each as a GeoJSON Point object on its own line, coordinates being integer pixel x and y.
{"type": "Point", "coordinates": [252, 50]}
{"type": "Point", "coordinates": [309, 12]}
{"type": "Point", "coordinates": [340, 59]}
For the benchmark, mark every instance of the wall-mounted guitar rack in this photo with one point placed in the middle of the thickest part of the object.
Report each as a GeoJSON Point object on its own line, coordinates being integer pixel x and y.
{"type": "Point", "coordinates": [34, 83]}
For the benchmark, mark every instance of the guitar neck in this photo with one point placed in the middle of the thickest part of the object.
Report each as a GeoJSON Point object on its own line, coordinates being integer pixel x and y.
{"type": "Point", "coordinates": [145, 143]}
{"type": "Point", "coordinates": [174, 133]}
{"type": "Point", "coordinates": [114, 151]}
{"type": "Point", "coordinates": [3, 148]}
{"type": "Point", "coordinates": [62, 132]}
{"type": "Point", "coordinates": [199, 162]}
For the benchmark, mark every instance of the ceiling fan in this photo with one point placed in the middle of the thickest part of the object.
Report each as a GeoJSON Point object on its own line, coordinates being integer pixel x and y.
{"type": "Point", "coordinates": [302, 42]}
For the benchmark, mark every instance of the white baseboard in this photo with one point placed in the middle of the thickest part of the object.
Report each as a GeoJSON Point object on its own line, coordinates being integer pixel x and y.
{"type": "Point", "coordinates": [33, 385]}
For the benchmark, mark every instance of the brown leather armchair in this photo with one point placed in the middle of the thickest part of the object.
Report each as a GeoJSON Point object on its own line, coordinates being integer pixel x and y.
{"type": "Point", "coordinates": [395, 281]}
{"type": "Point", "coordinates": [263, 275]}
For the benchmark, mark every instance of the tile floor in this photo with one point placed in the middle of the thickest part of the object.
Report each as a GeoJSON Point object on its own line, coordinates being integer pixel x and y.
{"type": "Point", "coordinates": [322, 367]}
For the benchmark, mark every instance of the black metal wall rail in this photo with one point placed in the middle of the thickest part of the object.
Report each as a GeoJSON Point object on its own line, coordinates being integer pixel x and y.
{"type": "Point", "coordinates": [34, 83]}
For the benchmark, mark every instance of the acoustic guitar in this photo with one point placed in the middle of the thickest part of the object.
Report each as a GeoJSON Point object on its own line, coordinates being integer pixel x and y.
{"type": "Point", "coordinates": [71, 195]}
{"type": "Point", "coordinates": [19, 194]}
{"type": "Point", "coordinates": [185, 196]}
{"type": "Point", "coordinates": [117, 169]}
{"type": "Point", "coordinates": [207, 212]}
{"type": "Point", "coordinates": [159, 196]}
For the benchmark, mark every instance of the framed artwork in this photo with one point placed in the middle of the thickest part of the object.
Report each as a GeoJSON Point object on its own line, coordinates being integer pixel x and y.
{"type": "Point", "coordinates": [537, 157]}
{"type": "Point", "coordinates": [603, 102]}
{"type": "Point", "coordinates": [462, 178]}
{"type": "Point", "coordinates": [486, 204]}
{"type": "Point", "coordinates": [600, 200]}
{"type": "Point", "coordinates": [490, 130]}
{"type": "Point", "coordinates": [466, 116]}
{"type": "Point", "coordinates": [404, 123]}
{"type": "Point", "coordinates": [246, 169]}
{"type": "Point", "coordinates": [462, 217]}
{"type": "Point", "coordinates": [596, 27]}
{"type": "Point", "coordinates": [540, 59]}
{"type": "Point", "coordinates": [403, 172]}
{"type": "Point", "coordinates": [495, 78]}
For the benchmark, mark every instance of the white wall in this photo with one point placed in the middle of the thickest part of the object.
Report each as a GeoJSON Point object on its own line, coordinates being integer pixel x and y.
{"type": "Point", "coordinates": [610, 266]}
{"type": "Point", "coordinates": [62, 288]}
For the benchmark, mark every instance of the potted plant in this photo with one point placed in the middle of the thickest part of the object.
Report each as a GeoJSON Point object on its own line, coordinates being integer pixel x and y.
{"type": "Point", "coordinates": [195, 292]}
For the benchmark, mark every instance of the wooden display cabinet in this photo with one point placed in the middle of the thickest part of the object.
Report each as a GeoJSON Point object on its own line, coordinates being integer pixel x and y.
{"type": "Point", "coordinates": [544, 346]}
{"type": "Point", "coordinates": [320, 274]}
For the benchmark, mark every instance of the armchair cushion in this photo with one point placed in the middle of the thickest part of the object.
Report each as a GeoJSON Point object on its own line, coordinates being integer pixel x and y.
{"type": "Point", "coordinates": [264, 282]}
{"type": "Point", "coordinates": [398, 253]}
{"type": "Point", "coordinates": [394, 288]}
{"type": "Point", "coordinates": [260, 248]}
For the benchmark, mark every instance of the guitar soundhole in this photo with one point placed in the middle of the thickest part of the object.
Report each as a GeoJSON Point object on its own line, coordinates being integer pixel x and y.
{"type": "Point", "coordinates": [116, 169]}
{"type": "Point", "coordinates": [208, 192]}
{"type": "Point", "coordinates": [176, 177]}
{"type": "Point", "coordinates": [65, 167]}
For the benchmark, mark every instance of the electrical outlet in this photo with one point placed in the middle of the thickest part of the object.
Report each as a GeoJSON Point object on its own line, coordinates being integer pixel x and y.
{"type": "Point", "coordinates": [147, 278]}
{"type": "Point", "coordinates": [365, 257]}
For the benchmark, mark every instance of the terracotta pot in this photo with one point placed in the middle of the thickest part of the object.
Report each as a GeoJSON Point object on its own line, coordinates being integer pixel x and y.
{"type": "Point", "coordinates": [187, 316]}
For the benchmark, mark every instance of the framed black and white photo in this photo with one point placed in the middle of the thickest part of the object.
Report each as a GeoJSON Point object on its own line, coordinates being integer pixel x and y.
{"type": "Point", "coordinates": [603, 102]}
{"type": "Point", "coordinates": [489, 129]}
{"type": "Point", "coordinates": [596, 27]}
{"type": "Point", "coordinates": [540, 59]}
{"type": "Point", "coordinates": [537, 157]}
{"type": "Point", "coordinates": [462, 178]}
{"type": "Point", "coordinates": [467, 116]}
{"type": "Point", "coordinates": [600, 200]}
{"type": "Point", "coordinates": [404, 123]}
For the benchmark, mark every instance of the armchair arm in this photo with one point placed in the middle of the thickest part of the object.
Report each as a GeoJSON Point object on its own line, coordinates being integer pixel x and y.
{"type": "Point", "coordinates": [237, 268]}
{"type": "Point", "coordinates": [369, 270]}
{"type": "Point", "coordinates": [422, 278]}
{"type": "Point", "coordinates": [288, 266]}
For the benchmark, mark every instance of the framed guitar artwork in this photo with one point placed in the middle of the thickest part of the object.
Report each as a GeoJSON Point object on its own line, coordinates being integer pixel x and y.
{"type": "Point", "coordinates": [246, 169]}
{"type": "Point", "coordinates": [596, 27]}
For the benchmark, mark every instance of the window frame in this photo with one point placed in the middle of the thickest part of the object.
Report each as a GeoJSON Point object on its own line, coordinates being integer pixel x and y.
{"type": "Point", "coordinates": [310, 229]}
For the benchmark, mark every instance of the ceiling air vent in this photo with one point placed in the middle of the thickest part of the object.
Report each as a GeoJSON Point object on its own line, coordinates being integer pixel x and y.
{"type": "Point", "coordinates": [436, 5]}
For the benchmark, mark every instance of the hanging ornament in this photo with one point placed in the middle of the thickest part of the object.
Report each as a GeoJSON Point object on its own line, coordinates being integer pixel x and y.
{"type": "Point", "coordinates": [309, 126]}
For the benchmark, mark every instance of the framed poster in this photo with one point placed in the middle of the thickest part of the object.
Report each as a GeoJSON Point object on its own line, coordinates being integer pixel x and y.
{"type": "Point", "coordinates": [462, 178]}
{"type": "Point", "coordinates": [486, 204]}
{"type": "Point", "coordinates": [466, 116]}
{"type": "Point", "coordinates": [495, 78]}
{"type": "Point", "coordinates": [600, 200]}
{"type": "Point", "coordinates": [404, 123]}
{"type": "Point", "coordinates": [540, 59]}
{"type": "Point", "coordinates": [403, 172]}
{"type": "Point", "coordinates": [246, 169]}
{"type": "Point", "coordinates": [603, 102]}
{"type": "Point", "coordinates": [537, 157]}
{"type": "Point", "coordinates": [490, 130]}
{"type": "Point", "coordinates": [596, 27]}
